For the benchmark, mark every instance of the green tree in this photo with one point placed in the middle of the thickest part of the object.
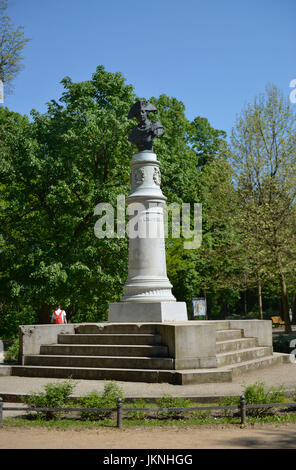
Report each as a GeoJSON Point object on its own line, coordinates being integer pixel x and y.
{"type": "Point", "coordinates": [205, 140]}
{"type": "Point", "coordinates": [263, 149]}
{"type": "Point", "coordinates": [194, 170]}
{"type": "Point", "coordinates": [57, 168]}
{"type": "Point", "coordinates": [55, 171]}
{"type": "Point", "coordinates": [12, 42]}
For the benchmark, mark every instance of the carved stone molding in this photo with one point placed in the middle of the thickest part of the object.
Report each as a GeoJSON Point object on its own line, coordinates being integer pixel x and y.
{"type": "Point", "coordinates": [138, 176]}
{"type": "Point", "coordinates": [156, 176]}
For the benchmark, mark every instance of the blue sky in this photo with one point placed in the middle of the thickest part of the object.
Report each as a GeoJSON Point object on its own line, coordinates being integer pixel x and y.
{"type": "Point", "coordinates": [213, 55]}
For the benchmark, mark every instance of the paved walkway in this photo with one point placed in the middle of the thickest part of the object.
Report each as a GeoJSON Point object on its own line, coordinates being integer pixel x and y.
{"type": "Point", "coordinates": [276, 375]}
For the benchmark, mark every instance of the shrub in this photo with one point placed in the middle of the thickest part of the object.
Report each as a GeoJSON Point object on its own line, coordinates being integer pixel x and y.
{"type": "Point", "coordinates": [138, 403]}
{"type": "Point", "coordinates": [256, 394]}
{"type": "Point", "coordinates": [228, 401]}
{"type": "Point", "coordinates": [107, 400]}
{"type": "Point", "coordinates": [167, 401]}
{"type": "Point", "coordinates": [11, 355]}
{"type": "Point", "coordinates": [201, 414]}
{"type": "Point", "coordinates": [93, 400]}
{"type": "Point", "coordinates": [56, 395]}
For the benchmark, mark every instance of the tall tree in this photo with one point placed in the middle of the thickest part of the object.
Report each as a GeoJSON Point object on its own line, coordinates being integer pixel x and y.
{"type": "Point", "coordinates": [12, 42]}
{"type": "Point", "coordinates": [263, 149]}
{"type": "Point", "coordinates": [55, 170]}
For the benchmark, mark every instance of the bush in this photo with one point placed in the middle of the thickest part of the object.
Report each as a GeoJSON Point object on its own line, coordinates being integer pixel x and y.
{"type": "Point", "coordinates": [11, 355]}
{"type": "Point", "coordinates": [228, 401]}
{"type": "Point", "coordinates": [107, 400]}
{"type": "Point", "coordinates": [256, 394]}
{"type": "Point", "coordinates": [167, 401]}
{"type": "Point", "coordinates": [56, 395]}
{"type": "Point", "coordinates": [138, 403]}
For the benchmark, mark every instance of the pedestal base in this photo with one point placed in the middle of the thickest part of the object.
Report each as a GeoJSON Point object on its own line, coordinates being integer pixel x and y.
{"type": "Point", "coordinates": [124, 312]}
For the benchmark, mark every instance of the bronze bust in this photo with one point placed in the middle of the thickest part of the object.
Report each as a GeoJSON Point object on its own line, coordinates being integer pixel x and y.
{"type": "Point", "coordinates": [143, 134]}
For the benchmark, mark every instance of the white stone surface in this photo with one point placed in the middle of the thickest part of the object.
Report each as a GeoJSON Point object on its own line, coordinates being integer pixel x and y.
{"type": "Point", "coordinates": [147, 276]}
{"type": "Point", "coordinates": [125, 312]}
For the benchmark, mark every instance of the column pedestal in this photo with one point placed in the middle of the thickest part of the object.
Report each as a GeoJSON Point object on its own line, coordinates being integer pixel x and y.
{"type": "Point", "coordinates": [130, 312]}
{"type": "Point", "coordinates": [147, 291]}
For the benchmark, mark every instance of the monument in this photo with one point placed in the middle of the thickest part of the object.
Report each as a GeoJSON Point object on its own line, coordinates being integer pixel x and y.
{"type": "Point", "coordinates": [147, 337]}
{"type": "Point", "coordinates": [147, 292]}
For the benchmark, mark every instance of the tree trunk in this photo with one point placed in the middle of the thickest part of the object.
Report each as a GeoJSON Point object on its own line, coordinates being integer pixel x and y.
{"type": "Point", "coordinates": [260, 298]}
{"type": "Point", "coordinates": [44, 314]}
{"type": "Point", "coordinates": [245, 303]}
{"type": "Point", "coordinates": [245, 298]}
{"type": "Point", "coordinates": [294, 309]}
{"type": "Point", "coordinates": [285, 304]}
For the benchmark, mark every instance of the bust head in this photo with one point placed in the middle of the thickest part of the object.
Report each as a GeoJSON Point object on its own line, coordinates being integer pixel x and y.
{"type": "Point", "coordinates": [143, 134]}
{"type": "Point", "coordinates": [140, 110]}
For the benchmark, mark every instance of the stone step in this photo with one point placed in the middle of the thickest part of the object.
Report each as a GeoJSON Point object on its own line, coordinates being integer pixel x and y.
{"type": "Point", "coordinates": [95, 373]}
{"type": "Point", "coordinates": [104, 350]}
{"type": "Point", "coordinates": [260, 363]}
{"type": "Point", "coordinates": [116, 328]}
{"type": "Point", "coordinates": [100, 362]}
{"type": "Point", "coordinates": [225, 335]}
{"type": "Point", "coordinates": [202, 376]}
{"type": "Point", "coordinates": [236, 344]}
{"type": "Point", "coordinates": [221, 324]}
{"type": "Point", "coordinates": [132, 339]}
{"type": "Point", "coordinates": [183, 377]}
{"type": "Point", "coordinates": [243, 355]}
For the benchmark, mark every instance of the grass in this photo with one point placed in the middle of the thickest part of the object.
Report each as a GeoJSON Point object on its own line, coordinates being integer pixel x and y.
{"type": "Point", "coordinates": [77, 425]}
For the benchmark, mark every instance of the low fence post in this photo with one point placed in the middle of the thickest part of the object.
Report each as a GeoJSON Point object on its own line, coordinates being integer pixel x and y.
{"type": "Point", "coordinates": [119, 412]}
{"type": "Point", "coordinates": [1, 412]}
{"type": "Point", "coordinates": [243, 410]}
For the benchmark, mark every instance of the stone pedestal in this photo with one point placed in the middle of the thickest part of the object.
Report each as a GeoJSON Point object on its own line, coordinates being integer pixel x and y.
{"type": "Point", "coordinates": [147, 312]}
{"type": "Point", "coordinates": [147, 291]}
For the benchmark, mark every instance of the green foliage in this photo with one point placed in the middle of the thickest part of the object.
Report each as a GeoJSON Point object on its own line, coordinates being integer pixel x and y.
{"type": "Point", "coordinates": [263, 146]}
{"type": "Point", "coordinates": [56, 395]}
{"type": "Point", "coordinates": [108, 399]}
{"type": "Point", "coordinates": [12, 42]}
{"type": "Point", "coordinates": [228, 401]}
{"type": "Point", "coordinates": [137, 403]}
{"type": "Point", "coordinates": [55, 169]}
{"type": "Point", "coordinates": [167, 401]}
{"type": "Point", "coordinates": [205, 140]}
{"type": "Point", "coordinates": [11, 355]}
{"type": "Point", "coordinates": [257, 394]}
{"type": "Point", "coordinates": [11, 317]}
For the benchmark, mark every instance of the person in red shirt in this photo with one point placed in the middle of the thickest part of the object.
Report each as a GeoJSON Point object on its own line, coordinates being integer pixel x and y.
{"type": "Point", "coordinates": [59, 316]}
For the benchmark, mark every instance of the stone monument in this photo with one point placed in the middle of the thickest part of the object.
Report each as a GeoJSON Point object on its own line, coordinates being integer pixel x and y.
{"type": "Point", "coordinates": [147, 292]}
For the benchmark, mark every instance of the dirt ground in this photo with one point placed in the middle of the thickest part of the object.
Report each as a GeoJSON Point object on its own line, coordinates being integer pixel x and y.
{"type": "Point", "coordinates": [269, 436]}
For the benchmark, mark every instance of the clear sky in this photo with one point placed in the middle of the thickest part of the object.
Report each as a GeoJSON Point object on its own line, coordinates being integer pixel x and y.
{"type": "Point", "coordinates": [213, 55]}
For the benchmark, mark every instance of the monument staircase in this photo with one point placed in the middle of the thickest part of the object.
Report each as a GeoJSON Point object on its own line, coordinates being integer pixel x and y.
{"type": "Point", "coordinates": [133, 352]}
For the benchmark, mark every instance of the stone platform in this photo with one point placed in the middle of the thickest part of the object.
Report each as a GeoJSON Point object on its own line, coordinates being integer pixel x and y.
{"type": "Point", "coordinates": [173, 352]}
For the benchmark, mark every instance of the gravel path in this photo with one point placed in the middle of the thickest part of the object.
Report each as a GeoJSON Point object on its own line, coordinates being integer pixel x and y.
{"type": "Point", "coordinates": [202, 437]}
